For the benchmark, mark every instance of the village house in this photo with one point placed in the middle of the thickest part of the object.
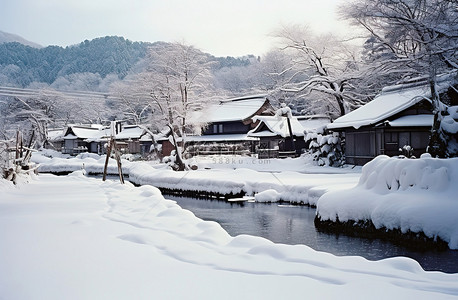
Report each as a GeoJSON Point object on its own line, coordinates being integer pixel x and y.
{"type": "Point", "coordinates": [229, 122]}
{"type": "Point", "coordinates": [92, 138]}
{"type": "Point", "coordinates": [400, 116]}
{"type": "Point", "coordinates": [84, 138]}
{"type": "Point", "coordinates": [128, 138]}
{"type": "Point", "coordinates": [274, 133]}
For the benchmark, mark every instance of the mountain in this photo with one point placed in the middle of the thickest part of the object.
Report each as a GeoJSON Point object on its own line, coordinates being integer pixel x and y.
{"type": "Point", "coordinates": [9, 38]}
{"type": "Point", "coordinates": [22, 64]}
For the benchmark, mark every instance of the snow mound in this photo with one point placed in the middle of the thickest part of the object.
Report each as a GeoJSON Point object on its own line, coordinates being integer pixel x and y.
{"type": "Point", "coordinates": [417, 195]}
{"type": "Point", "coordinates": [384, 174]}
{"type": "Point", "coordinates": [269, 195]}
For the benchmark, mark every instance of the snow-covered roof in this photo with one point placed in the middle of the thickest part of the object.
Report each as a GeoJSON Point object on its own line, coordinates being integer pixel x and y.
{"type": "Point", "coordinates": [130, 132]}
{"type": "Point", "coordinates": [56, 134]}
{"type": "Point", "coordinates": [274, 126]}
{"type": "Point", "coordinates": [313, 122]}
{"type": "Point", "coordinates": [236, 109]}
{"type": "Point", "coordinates": [86, 132]}
{"type": "Point", "coordinates": [413, 120]}
{"type": "Point", "coordinates": [391, 101]}
{"type": "Point", "coordinates": [97, 133]}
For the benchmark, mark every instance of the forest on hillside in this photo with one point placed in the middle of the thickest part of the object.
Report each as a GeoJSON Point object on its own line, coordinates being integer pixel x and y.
{"type": "Point", "coordinates": [22, 65]}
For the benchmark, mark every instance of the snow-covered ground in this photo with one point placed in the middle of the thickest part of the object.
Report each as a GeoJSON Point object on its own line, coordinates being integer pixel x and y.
{"type": "Point", "coordinates": [418, 195]}
{"type": "Point", "coordinates": [301, 183]}
{"type": "Point", "coordinates": [74, 237]}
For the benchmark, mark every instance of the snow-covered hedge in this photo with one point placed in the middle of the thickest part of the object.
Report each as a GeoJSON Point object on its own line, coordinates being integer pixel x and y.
{"type": "Point", "coordinates": [325, 148]}
{"type": "Point", "coordinates": [417, 195]}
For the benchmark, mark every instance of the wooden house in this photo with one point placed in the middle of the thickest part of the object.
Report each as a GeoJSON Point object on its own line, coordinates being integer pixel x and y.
{"type": "Point", "coordinates": [84, 138]}
{"type": "Point", "coordinates": [235, 116]}
{"type": "Point", "coordinates": [92, 138]}
{"type": "Point", "coordinates": [128, 138]}
{"type": "Point", "coordinates": [274, 133]}
{"type": "Point", "coordinates": [400, 116]}
{"type": "Point", "coordinates": [229, 122]}
{"type": "Point", "coordinates": [55, 139]}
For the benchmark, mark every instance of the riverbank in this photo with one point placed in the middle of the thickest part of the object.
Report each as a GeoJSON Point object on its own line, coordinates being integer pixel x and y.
{"type": "Point", "coordinates": [400, 198]}
{"type": "Point", "coordinates": [81, 238]}
{"type": "Point", "coordinates": [214, 179]}
{"type": "Point", "coordinates": [414, 200]}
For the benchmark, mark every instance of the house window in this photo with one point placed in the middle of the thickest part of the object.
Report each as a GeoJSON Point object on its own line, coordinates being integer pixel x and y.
{"type": "Point", "coordinates": [217, 128]}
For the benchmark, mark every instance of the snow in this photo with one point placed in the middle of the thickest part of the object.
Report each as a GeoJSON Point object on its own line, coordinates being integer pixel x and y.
{"type": "Point", "coordinates": [411, 194]}
{"type": "Point", "coordinates": [450, 122]}
{"type": "Point", "coordinates": [130, 132]}
{"type": "Point", "coordinates": [391, 101]}
{"type": "Point", "coordinates": [276, 126]}
{"type": "Point", "coordinates": [312, 123]}
{"type": "Point", "coordinates": [221, 175]}
{"type": "Point", "coordinates": [87, 133]}
{"type": "Point", "coordinates": [413, 120]}
{"type": "Point", "coordinates": [56, 134]}
{"type": "Point", "coordinates": [269, 195]}
{"type": "Point", "coordinates": [234, 109]}
{"type": "Point", "coordinates": [73, 237]}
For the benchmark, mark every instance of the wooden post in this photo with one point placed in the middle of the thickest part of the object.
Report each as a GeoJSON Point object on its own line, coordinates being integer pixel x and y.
{"type": "Point", "coordinates": [110, 144]}
{"type": "Point", "coordinates": [111, 147]}
{"type": "Point", "coordinates": [17, 145]}
{"type": "Point", "coordinates": [118, 161]}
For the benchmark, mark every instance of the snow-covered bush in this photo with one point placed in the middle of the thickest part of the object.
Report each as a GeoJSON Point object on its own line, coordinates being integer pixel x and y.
{"type": "Point", "coordinates": [407, 151]}
{"type": "Point", "coordinates": [325, 148]}
{"type": "Point", "coordinates": [6, 161]}
{"type": "Point", "coordinates": [171, 161]}
{"type": "Point", "coordinates": [449, 128]}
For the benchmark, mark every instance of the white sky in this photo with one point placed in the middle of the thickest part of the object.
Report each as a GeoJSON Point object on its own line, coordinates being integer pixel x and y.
{"type": "Point", "coordinates": [220, 27]}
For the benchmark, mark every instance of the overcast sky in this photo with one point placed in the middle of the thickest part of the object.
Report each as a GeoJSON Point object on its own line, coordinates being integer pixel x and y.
{"type": "Point", "coordinates": [220, 27]}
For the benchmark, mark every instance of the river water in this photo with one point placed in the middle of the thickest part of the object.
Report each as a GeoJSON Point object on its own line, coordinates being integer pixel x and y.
{"type": "Point", "coordinates": [292, 225]}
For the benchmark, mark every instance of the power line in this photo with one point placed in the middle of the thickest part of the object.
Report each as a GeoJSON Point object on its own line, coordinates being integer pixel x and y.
{"type": "Point", "coordinates": [18, 92]}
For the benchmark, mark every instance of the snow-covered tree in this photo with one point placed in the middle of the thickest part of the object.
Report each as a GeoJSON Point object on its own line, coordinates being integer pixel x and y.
{"type": "Point", "coordinates": [322, 66]}
{"type": "Point", "coordinates": [411, 39]}
{"type": "Point", "coordinates": [179, 85]}
{"type": "Point", "coordinates": [35, 113]}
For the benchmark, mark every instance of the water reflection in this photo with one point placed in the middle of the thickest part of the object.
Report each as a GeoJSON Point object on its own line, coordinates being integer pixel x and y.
{"type": "Point", "coordinates": [294, 225]}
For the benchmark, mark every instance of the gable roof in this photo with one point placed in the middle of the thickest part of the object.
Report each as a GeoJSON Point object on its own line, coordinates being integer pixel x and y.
{"type": "Point", "coordinates": [130, 132]}
{"type": "Point", "coordinates": [389, 102]}
{"type": "Point", "coordinates": [270, 126]}
{"type": "Point", "coordinates": [85, 132]}
{"type": "Point", "coordinates": [236, 109]}
{"type": "Point", "coordinates": [92, 133]}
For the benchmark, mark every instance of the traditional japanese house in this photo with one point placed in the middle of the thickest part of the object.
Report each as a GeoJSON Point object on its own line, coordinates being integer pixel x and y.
{"type": "Point", "coordinates": [83, 138]}
{"type": "Point", "coordinates": [400, 116]}
{"type": "Point", "coordinates": [227, 131]}
{"type": "Point", "coordinates": [274, 135]}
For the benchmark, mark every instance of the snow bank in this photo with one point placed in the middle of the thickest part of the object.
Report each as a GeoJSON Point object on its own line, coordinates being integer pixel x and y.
{"type": "Point", "coordinates": [291, 186]}
{"type": "Point", "coordinates": [269, 195]}
{"type": "Point", "coordinates": [418, 195]}
{"type": "Point", "coordinates": [73, 237]}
